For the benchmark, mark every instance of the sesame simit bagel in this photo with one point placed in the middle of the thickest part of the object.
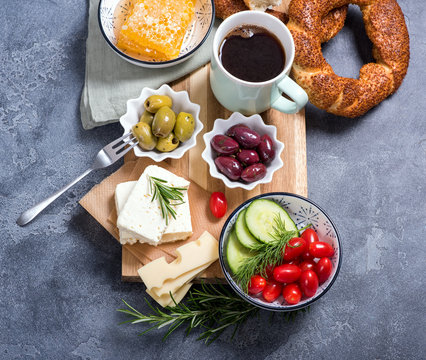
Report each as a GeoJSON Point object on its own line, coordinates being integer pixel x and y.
{"type": "Point", "coordinates": [330, 24]}
{"type": "Point", "coordinates": [385, 27]}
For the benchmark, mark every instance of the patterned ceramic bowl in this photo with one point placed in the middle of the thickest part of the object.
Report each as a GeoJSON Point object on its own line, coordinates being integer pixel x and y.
{"type": "Point", "coordinates": [256, 123]}
{"type": "Point", "coordinates": [111, 14]}
{"type": "Point", "coordinates": [303, 212]}
{"type": "Point", "coordinates": [181, 102]}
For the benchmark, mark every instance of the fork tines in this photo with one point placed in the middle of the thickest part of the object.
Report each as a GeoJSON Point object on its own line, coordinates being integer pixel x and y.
{"type": "Point", "coordinates": [118, 146]}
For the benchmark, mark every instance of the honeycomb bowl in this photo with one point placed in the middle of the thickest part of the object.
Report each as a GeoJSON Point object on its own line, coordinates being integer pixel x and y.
{"type": "Point", "coordinates": [113, 13]}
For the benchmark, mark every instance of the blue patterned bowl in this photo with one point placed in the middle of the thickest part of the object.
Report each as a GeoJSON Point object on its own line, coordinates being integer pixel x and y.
{"type": "Point", "coordinates": [112, 13]}
{"type": "Point", "coordinates": [303, 212]}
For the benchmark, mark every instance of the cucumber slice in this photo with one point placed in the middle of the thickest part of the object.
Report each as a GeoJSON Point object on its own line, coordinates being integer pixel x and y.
{"type": "Point", "coordinates": [235, 252]}
{"type": "Point", "coordinates": [260, 219]}
{"type": "Point", "coordinates": [243, 234]}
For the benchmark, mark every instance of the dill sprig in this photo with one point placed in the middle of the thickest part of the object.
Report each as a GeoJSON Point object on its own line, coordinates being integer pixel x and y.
{"type": "Point", "coordinates": [166, 195]}
{"type": "Point", "coordinates": [212, 308]}
{"type": "Point", "coordinates": [266, 254]}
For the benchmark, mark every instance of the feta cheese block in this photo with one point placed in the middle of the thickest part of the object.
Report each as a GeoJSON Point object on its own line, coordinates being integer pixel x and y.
{"type": "Point", "coordinates": [140, 218]}
{"type": "Point", "coordinates": [178, 229]}
{"type": "Point", "coordinates": [122, 192]}
{"type": "Point", "coordinates": [193, 255]}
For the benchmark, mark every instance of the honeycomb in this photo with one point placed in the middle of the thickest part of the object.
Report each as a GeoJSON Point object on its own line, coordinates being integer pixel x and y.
{"type": "Point", "coordinates": [156, 28]}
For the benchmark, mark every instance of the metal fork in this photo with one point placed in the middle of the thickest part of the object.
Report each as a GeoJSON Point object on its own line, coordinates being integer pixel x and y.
{"type": "Point", "coordinates": [106, 157]}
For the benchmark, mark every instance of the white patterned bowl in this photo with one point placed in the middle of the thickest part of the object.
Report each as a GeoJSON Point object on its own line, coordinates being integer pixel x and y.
{"type": "Point", "coordinates": [181, 102]}
{"type": "Point", "coordinates": [303, 212]}
{"type": "Point", "coordinates": [256, 123]}
{"type": "Point", "coordinates": [111, 14]}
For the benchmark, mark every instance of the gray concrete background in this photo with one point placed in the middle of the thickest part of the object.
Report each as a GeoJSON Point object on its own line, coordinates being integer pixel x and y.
{"type": "Point", "coordinates": [60, 276]}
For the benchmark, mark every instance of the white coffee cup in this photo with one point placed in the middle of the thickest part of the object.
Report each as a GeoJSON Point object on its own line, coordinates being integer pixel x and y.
{"type": "Point", "coordinates": [255, 97]}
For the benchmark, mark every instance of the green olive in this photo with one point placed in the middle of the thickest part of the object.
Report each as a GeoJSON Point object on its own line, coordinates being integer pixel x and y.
{"type": "Point", "coordinates": [184, 127]}
{"type": "Point", "coordinates": [155, 102]}
{"type": "Point", "coordinates": [164, 122]}
{"type": "Point", "coordinates": [143, 133]}
{"type": "Point", "coordinates": [147, 117]}
{"type": "Point", "coordinates": [168, 143]}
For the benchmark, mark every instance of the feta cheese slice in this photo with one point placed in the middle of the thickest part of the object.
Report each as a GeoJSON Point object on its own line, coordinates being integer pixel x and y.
{"type": "Point", "coordinates": [122, 192]}
{"type": "Point", "coordinates": [141, 219]}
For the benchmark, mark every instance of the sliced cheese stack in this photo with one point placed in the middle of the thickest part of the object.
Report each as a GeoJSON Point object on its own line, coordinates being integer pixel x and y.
{"type": "Point", "coordinates": [162, 278]}
{"type": "Point", "coordinates": [140, 218]}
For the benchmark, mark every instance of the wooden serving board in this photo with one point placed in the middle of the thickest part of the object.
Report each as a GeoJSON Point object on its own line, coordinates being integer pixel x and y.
{"type": "Point", "coordinates": [291, 178]}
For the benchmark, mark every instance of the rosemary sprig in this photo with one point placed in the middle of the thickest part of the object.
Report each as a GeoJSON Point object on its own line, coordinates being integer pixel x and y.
{"type": "Point", "coordinates": [213, 308]}
{"type": "Point", "coordinates": [266, 254]}
{"type": "Point", "coordinates": [166, 195]}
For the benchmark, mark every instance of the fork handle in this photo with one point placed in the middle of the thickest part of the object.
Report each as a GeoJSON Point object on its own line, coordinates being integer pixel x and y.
{"type": "Point", "coordinates": [31, 213]}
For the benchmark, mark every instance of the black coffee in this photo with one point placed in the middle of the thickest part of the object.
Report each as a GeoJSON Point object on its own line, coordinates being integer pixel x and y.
{"type": "Point", "coordinates": [252, 53]}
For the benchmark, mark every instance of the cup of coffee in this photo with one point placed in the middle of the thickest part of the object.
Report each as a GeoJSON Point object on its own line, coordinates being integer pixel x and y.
{"type": "Point", "coordinates": [252, 56]}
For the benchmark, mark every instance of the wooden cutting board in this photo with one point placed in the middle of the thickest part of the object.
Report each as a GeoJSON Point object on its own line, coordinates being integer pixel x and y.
{"type": "Point", "coordinates": [291, 178]}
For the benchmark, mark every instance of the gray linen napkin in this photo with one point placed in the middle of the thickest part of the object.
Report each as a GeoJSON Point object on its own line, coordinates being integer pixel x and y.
{"type": "Point", "coordinates": [110, 81]}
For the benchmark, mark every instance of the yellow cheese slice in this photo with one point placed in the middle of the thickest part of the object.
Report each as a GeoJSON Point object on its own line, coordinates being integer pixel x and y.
{"type": "Point", "coordinates": [173, 285]}
{"type": "Point", "coordinates": [166, 300]}
{"type": "Point", "coordinates": [197, 253]}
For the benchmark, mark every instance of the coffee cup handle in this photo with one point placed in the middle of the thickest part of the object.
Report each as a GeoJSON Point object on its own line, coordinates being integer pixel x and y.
{"type": "Point", "coordinates": [294, 91]}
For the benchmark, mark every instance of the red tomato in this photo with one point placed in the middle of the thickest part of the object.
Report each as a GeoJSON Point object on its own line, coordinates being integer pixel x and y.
{"type": "Point", "coordinates": [218, 204]}
{"type": "Point", "coordinates": [287, 273]}
{"type": "Point", "coordinates": [269, 270]}
{"type": "Point", "coordinates": [308, 283]}
{"type": "Point", "coordinates": [294, 262]}
{"type": "Point", "coordinates": [296, 247]}
{"type": "Point", "coordinates": [307, 265]}
{"type": "Point", "coordinates": [320, 249]}
{"type": "Point", "coordinates": [256, 284]}
{"type": "Point", "coordinates": [292, 293]}
{"type": "Point", "coordinates": [307, 256]}
{"type": "Point", "coordinates": [271, 291]}
{"type": "Point", "coordinates": [323, 269]}
{"type": "Point", "coordinates": [310, 236]}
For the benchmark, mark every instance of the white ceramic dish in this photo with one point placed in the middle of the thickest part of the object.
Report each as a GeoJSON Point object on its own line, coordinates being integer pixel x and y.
{"type": "Point", "coordinates": [303, 211]}
{"type": "Point", "coordinates": [111, 14]}
{"type": "Point", "coordinates": [256, 123]}
{"type": "Point", "coordinates": [181, 102]}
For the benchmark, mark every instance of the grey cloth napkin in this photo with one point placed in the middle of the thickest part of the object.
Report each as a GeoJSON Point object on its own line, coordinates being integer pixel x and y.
{"type": "Point", "coordinates": [110, 81]}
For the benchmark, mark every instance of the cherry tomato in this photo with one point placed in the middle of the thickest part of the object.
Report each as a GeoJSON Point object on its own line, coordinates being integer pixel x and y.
{"type": "Point", "coordinates": [256, 284]}
{"type": "Point", "coordinates": [307, 256]}
{"type": "Point", "coordinates": [269, 271]}
{"type": "Point", "coordinates": [323, 269]}
{"type": "Point", "coordinates": [287, 273]}
{"type": "Point", "coordinates": [296, 247]}
{"type": "Point", "coordinates": [292, 293]}
{"type": "Point", "coordinates": [320, 249]}
{"type": "Point", "coordinates": [310, 236]}
{"type": "Point", "coordinates": [271, 291]}
{"type": "Point", "coordinates": [307, 265]}
{"type": "Point", "coordinates": [308, 283]}
{"type": "Point", "coordinates": [218, 204]}
{"type": "Point", "coordinates": [294, 262]}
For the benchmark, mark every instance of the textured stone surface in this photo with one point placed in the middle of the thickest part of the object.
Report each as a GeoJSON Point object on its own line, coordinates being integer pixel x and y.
{"type": "Point", "coordinates": [60, 276]}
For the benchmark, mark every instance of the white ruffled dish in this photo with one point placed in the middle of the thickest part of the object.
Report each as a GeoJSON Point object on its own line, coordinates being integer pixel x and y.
{"type": "Point", "coordinates": [256, 123]}
{"type": "Point", "coordinates": [181, 102]}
